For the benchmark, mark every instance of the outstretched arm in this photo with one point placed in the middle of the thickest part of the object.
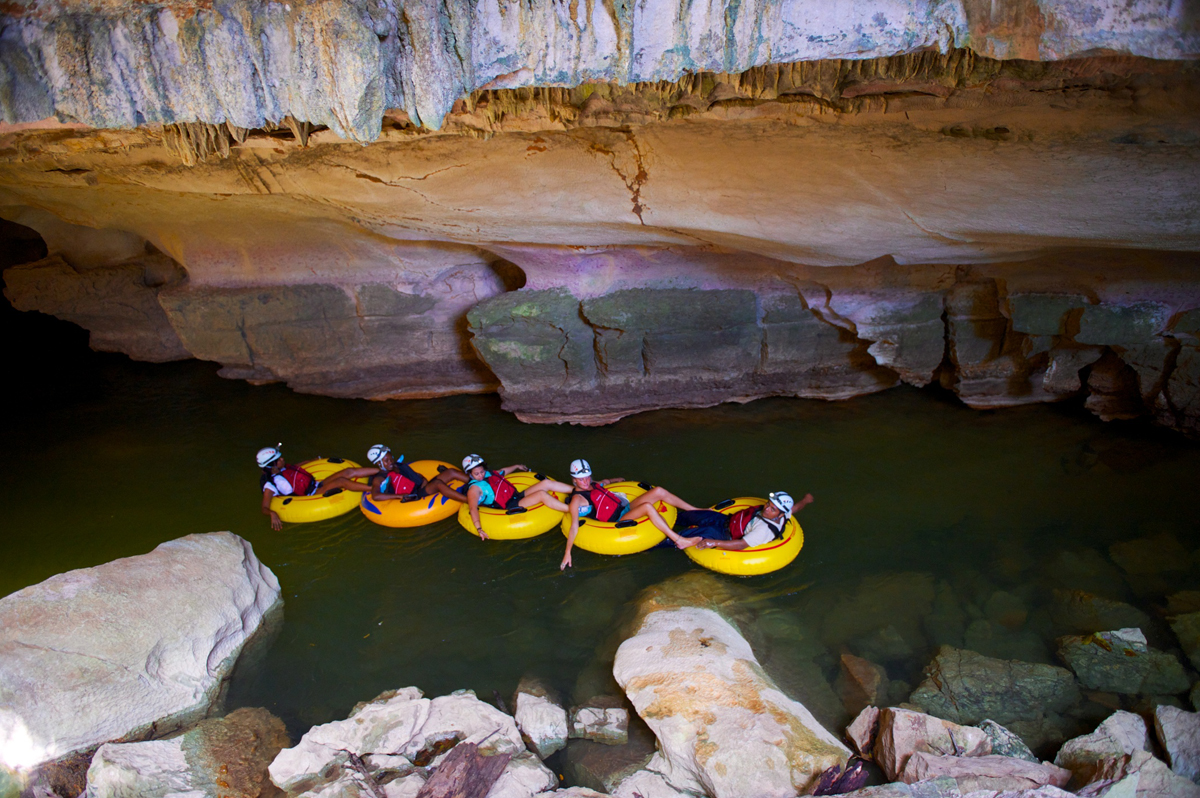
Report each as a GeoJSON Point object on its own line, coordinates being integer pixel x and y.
{"type": "Point", "coordinates": [572, 531]}
{"type": "Point", "coordinates": [513, 469]}
{"type": "Point", "coordinates": [276, 523]}
{"type": "Point", "coordinates": [473, 509]}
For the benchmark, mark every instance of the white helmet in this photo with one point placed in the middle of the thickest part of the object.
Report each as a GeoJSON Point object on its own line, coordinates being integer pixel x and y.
{"type": "Point", "coordinates": [375, 453]}
{"type": "Point", "coordinates": [783, 500]}
{"type": "Point", "coordinates": [472, 461]}
{"type": "Point", "coordinates": [268, 455]}
{"type": "Point", "coordinates": [580, 468]}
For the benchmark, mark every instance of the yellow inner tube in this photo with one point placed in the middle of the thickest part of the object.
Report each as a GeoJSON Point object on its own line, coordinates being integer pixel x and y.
{"type": "Point", "coordinates": [758, 560]}
{"type": "Point", "coordinates": [419, 512]}
{"type": "Point", "coordinates": [513, 524]}
{"type": "Point", "coordinates": [621, 537]}
{"type": "Point", "coordinates": [304, 509]}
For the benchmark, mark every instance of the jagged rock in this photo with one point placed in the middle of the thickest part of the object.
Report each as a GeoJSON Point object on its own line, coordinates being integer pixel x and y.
{"type": "Point", "coordinates": [722, 726]}
{"type": "Point", "coordinates": [170, 75]}
{"type": "Point", "coordinates": [542, 721]}
{"type": "Point", "coordinates": [1005, 743]}
{"type": "Point", "coordinates": [523, 776]}
{"type": "Point", "coordinates": [118, 652]}
{"type": "Point", "coordinates": [861, 683]}
{"type": "Point", "coordinates": [1154, 778]}
{"type": "Point", "coordinates": [1123, 733]}
{"type": "Point", "coordinates": [608, 725]}
{"type": "Point", "coordinates": [399, 723]}
{"type": "Point", "coordinates": [967, 687]}
{"type": "Point", "coordinates": [225, 757]}
{"type": "Point", "coordinates": [1187, 628]}
{"type": "Point", "coordinates": [1121, 662]}
{"type": "Point", "coordinates": [903, 733]}
{"type": "Point", "coordinates": [984, 772]}
{"type": "Point", "coordinates": [1179, 733]}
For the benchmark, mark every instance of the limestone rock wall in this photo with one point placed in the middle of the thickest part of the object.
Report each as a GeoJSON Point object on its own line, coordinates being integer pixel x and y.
{"type": "Point", "coordinates": [341, 63]}
{"type": "Point", "coordinates": [1017, 231]}
{"type": "Point", "coordinates": [997, 334]}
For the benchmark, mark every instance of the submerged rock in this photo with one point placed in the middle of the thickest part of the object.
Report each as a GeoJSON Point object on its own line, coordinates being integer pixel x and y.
{"type": "Point", "coordinates": [723, 727]}
{"type": "Point", "coordinates": [861, 683]}
{"type": "Point", "coordinates": [219, 758]}
{"type": "Point", "coordinates": [1187, 628]}
{"type": "Point", "coordinates": [968, 688]}
{"type": "Point", "coordinates": [127, 650]}
{"type": "Point", "coordinates": [1075, 612]}
{"type": "Point", "coordinates": [601, 724]}
{"type": "Point", "coordinates": [605, 767]}
{"type": "Point", "coordinates": [1121, 662]}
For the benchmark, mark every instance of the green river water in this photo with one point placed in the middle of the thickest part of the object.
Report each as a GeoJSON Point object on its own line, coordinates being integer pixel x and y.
{"type": "Point", "coordinates": [107, 458]}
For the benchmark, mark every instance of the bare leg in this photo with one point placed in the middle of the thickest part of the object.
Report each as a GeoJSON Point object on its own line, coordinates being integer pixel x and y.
{"type": "Point", "coordinates": [662, 494]}
{"type": "Point", "coordinates": [542, 497]}
{"type": "Point", "coordinates": [648, 511]}
{"type": "Point", "coordinates": [339, 481]}
{"type": "Point", "coordinates": [550, 484]}
{"type": "Point", "coordinates": [436, 485]}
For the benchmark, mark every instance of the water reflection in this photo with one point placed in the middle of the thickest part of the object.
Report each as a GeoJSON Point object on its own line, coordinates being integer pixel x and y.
{"type": "Point", "coordinates": [933, 525]}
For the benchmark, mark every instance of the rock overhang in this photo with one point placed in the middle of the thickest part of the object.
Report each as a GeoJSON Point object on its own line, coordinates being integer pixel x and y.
{"type": "Point", "coordinates": [343, 63]}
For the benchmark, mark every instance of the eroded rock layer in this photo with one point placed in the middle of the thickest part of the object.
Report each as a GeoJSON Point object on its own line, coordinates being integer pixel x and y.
{"type": "Point", "coordinates": [1017, 231]}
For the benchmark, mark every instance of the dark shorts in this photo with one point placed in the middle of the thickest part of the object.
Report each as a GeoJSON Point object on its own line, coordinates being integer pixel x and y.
{"type": "Point", "coordinates": [708, 524]}
{"type": "Point", "coordinates": [513, 503]}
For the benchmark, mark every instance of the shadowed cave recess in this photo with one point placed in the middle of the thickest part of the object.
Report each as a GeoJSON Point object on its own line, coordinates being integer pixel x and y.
{"type": "Point", "coordinates": [998, 201]}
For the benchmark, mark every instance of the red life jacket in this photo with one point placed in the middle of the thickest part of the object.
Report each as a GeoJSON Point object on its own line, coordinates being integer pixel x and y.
{"type": "Point", "coordinates": [605, 503]}
{"type": "Point", "coordinates": [400, 484]}
{"type": "Point", "coordinates": [503, 489]}
{"type": "Point", "coordinates": [300, 480]}
{"type": "Point", "coordinates": [740, 521]}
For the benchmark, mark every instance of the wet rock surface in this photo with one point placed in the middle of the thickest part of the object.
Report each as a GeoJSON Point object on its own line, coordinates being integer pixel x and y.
{"type": "Point", "coordinates": [718, 718]}
{"type": "Point", "coordinates": [1121, 662]}
{"type": "Point", "coordinates": [118, 653]}
{"type": "Point", "coordinates": [967, 687]}
{"type": "Point", "coordinates": [225, 757]}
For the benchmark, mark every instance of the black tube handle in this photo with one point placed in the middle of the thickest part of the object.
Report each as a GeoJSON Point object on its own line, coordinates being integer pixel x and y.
{"type": "Point", "coordinates": [723, 505]}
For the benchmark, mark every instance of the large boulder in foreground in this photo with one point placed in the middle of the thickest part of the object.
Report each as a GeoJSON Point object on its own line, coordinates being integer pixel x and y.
{"type": "Point", "coordinates": [134, 648]}
{"type": "Point", "coordinates": [724, 728]}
